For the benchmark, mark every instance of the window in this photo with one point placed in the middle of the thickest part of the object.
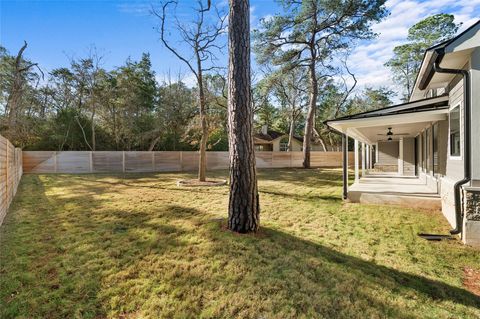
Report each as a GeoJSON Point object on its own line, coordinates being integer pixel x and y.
{"type": "Point", "coordinates": [455, 131]}
{"type": "Point", "coordinates": [284, 144]}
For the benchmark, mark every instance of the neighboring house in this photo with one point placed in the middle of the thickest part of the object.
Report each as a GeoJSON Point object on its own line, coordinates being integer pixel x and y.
{"type": "Point", "coordinates": [426, 153]}
{"type": "Point", "coordinates": [270, 140]}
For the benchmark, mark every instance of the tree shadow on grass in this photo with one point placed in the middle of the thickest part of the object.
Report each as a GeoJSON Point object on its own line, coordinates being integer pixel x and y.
{"type": "Point", "coordinates": [57, 257]}
{"type": "Point", "coordinates": [309, 197]}
{"type": "Point", "coordinates": [304, 177]}
{"type": "Point", "coordinates": [90, 262]}
{"type": "Point", "coordinates": [316, 279]}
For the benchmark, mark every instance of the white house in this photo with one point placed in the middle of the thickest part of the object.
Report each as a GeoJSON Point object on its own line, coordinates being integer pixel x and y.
{"type": "Point", "coordinates": [274, 141]}
{"type": "Point", "coordinates": [426, 153]}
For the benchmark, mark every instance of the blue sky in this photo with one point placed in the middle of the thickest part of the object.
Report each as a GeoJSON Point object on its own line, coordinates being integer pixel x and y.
{"type": "Point", "coordinates": [58, 30]}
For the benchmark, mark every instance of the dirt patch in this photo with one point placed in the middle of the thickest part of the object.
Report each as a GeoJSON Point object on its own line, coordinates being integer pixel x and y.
{"type": "Point", "coordinates": [471, 280]}
{"type": "Point", "coordinates": [197, 183]}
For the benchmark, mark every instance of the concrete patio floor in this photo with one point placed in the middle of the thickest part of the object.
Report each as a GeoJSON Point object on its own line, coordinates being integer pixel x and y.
{"type": "Point", "coordinates": [393, 189]}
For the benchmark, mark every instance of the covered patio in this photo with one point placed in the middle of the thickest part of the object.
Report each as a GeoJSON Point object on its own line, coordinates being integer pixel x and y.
{"type": "Point", "coordinates": [409, 191]}
{"type": "Point", "coordinates": [390, 153]}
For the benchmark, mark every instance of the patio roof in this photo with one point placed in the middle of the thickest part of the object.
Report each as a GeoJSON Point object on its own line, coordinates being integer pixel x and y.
{"type": "Point", "coordinates": [371, 127]}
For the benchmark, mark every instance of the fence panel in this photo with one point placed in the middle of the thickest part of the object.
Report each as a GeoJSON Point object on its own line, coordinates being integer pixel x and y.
{"type": "Point", "coordinates": [107, 162]}
{"type": "Point", "coordinates": [217, 160]}
{"type": "Point", "coordinates": [10, 174]}
{"type": "Point", "coordinates": [263, 159]}
{"type": "Point", "coordinates": [168, 161]}
{"type": "Point", "coordinates": [117, 162]}
{"type": "Point", "coordinates": [139, 161]}
{"type": "Point", "coordinates": [66, 162]}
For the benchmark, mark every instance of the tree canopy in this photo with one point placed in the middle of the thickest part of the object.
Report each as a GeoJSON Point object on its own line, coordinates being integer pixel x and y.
{"type": "Point", "coordinates": [407, 58]}
{"type": "Point", "coordinates": [309, 34]}
{"type": "Point", "coordinates": [303, 79]}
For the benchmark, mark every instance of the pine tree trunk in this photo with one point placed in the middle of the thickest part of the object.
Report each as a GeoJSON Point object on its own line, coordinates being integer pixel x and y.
{"type": "Point", "coordinates": [243, 207]}
{"type": "Point", "coordinates": [310, 116]}
{"type": "Point", "coordinates": [94, 140]}
{"type": "Point", "coordinates": [202, 163]}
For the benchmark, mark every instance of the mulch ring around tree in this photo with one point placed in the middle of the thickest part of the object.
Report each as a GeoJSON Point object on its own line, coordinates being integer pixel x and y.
{"type": "Point", "coordinates": [197, 183]}
{"type": "Point", "coordinates": [471, 280]}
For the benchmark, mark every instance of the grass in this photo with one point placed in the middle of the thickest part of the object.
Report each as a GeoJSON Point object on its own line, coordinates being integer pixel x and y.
{"type": "Point", "coordinates": [138, 246]}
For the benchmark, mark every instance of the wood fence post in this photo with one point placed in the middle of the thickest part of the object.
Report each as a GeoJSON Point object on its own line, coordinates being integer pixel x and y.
{"type": "Point", "coordinates": [6, 174]}
{"type": "Point", "coordinates": [123, 161]}
{"type": "Point", "coordinates": [181, 161]}
{"type": "Point", "coordinates": [153, 161]}
{"type": "Point", "coordinates": [91, 161]}
{"type": "Point", "coordinates": [55, 161]}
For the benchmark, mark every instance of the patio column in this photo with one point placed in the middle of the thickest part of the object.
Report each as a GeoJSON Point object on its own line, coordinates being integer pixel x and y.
{"type": "Point", "coordinates": [345, 164]}
{"type": "Point", "coordinates": [370, 156]}
{"type": "Point", "coordinates": [356, 161]}
{"type": "Point", "coordinates": [400, 157]}
{"type": "Point", "coordinates": [363, 159]}
{"type": "Point", "coordinates": [367, 153]}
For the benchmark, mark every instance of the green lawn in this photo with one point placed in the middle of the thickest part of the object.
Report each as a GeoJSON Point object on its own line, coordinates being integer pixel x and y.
{"type": "Point", "coordinates": [138, 246]}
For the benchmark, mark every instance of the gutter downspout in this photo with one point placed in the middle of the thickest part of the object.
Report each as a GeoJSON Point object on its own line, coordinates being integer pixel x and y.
{"type": "Point", "coordinates": [345, 168]}
{"type": "Point", "coordinates": [467, 160]}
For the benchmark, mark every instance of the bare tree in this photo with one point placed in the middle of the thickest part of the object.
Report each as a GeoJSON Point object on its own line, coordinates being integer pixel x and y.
{"type": "Point", "coordinates": [87, 72]}
{"type": "Point", "coordinates": [202, 37]}
{"type": "Point", "coordinates": [290, 88]}
{"type": "Point", "coordinates": [19, 83]}
{"type": "Point", "coordinates": [244, 207]}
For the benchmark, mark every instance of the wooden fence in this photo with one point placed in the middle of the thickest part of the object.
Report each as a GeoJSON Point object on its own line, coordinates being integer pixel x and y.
{"type": "Point", "coordinates": [10, 174]}
{"type": "Point", "coordinates": [117, 162]}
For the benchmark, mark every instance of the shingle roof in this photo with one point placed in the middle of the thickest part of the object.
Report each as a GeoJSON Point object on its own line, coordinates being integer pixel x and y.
{"type": "Point", "coordinates": [270, 136]}
{"type": "Point", "coordinates": [273, 135]}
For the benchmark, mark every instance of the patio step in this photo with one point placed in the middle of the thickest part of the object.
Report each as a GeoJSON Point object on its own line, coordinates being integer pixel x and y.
{"type": "Point", "coordinates": [404, 200]}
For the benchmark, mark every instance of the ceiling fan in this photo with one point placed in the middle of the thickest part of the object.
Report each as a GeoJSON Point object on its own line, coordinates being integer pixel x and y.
{"type": "Point", "coordinates": [390, 134]}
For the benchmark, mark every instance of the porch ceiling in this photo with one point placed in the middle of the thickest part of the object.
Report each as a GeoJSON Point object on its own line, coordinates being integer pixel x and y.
{"type": "Point", "coordinates": [379, 133]}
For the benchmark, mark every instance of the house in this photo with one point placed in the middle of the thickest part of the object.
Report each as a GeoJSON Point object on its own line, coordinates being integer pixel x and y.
{"type": "Point", "coordinates": [270, 140]}
{"type": "Point", "coordinates": [425, 153]}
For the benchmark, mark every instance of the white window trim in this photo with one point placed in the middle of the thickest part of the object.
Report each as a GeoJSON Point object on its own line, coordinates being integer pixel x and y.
{"type": "Point", "coordinates": [459, 157]}
{"type": "Point", "coordinates": [284, 144]}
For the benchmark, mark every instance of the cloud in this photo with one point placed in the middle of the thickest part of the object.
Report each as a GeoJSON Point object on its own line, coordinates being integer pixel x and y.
{"type": "Point", "coordinates": [367, 60]}
{"type": "Point", "coordinates": [253, 18]}
{"type": "Point", "coordinates": [138, 8]}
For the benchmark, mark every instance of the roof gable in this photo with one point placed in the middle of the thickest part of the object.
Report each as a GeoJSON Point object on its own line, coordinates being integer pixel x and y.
{"type": "Point", "coordinates": [455, 49]}
{"type": "Point", "coordinates": [270, 136]}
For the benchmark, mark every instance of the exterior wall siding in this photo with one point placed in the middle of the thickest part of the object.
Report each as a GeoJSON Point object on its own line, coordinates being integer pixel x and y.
{"type": "Point", "coordinates": [296, 145]}
{"type": "Point", "coordinates": [442, 142]}
{"type": "Point", "coordinates": [454, 166]}
{"type": "Point", "coordinates": [475, 114]}
{"type": "Point", "coordinates": [388, 153]}
{"type": "Point", "coordinates": [409, 156]}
